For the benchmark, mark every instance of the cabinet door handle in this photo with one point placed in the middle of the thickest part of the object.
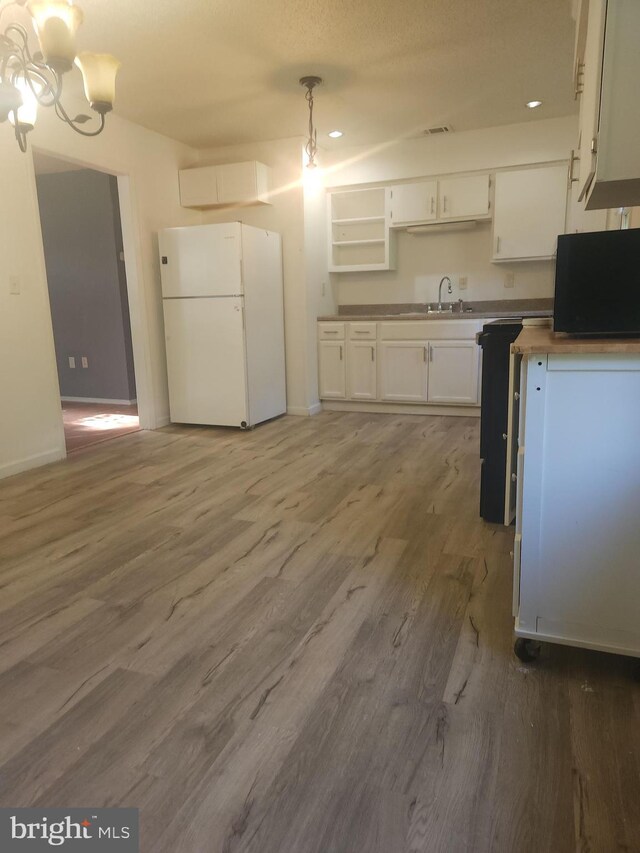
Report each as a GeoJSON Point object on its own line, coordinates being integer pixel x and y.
{"type": "Point", "coordinates": [340, 352]}
{"type": "Point", "coordinates": [497, 245]}
{"type": "Point", "coordinates": [516, 396]}
{"type": "Point", "coordinates": [424, 353]}
{"type": "Point", "coordinates": [505, 436]}
{"type": "Point", "coordinates": [373, 353]}
{"type": "Point", "coordinates": [444, 204]}
{"type": "Point", "coordinates": [578, 80]}
{"type": "Point", "coordinates": [514, 477]}
{"type": "Point", "coordinates": [430, 353]}
{"type": "Point", "coordinates": [433, 205]}
{"type": "Point", "coordinates": [573, 160]}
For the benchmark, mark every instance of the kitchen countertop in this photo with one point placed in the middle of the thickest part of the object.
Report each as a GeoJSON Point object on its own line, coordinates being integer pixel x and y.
{"type": "Point", "coordinates": [538, 339]}
{"type": "Point", "coordinates": [407, 311]}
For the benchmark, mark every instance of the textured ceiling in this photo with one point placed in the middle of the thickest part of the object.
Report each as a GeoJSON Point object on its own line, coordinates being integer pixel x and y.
{"type": "Point", "coordinates": [216, 72]}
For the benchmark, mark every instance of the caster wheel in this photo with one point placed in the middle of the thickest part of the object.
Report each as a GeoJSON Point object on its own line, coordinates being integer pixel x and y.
{"type": "Point", "coordinates": [526, 650]}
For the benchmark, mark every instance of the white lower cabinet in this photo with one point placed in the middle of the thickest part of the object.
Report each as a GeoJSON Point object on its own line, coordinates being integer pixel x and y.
{"type": "Point", "coordinates": [332, 370]}
{"type": "Point", "coordinates": [362, 370]}
{"type": "Point", "coordinates": [433, 362]}
{"type": "Point", "coordinates": [453, 372]}
{"type": "Point", "coordinates": [403, 371]}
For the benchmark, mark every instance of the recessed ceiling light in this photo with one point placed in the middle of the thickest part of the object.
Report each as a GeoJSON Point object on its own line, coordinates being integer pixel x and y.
{"type": "Point", "coordinates": [335, 134]}
{"type": "Point", "coordinates": [533, 104]}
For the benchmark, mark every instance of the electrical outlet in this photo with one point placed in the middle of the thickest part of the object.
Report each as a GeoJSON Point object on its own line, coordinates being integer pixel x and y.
{"type": "Point", "coordinates": [462, 282]}
{"type": "Point", "coordinates": [85, 361]}
{"type": "Point", "coordinates": [509, 280]}
{"type": "Point", "coordinates": [72, 362]}
{"type": "Point", "coordinates": [14, 285]}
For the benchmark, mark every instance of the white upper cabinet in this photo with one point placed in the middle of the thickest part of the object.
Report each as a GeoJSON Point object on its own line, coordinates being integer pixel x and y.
{"type": "Point", "coordinates": [230, 183]}
{"type": "Point", "coordinates": [359, 238]}
{"type": "Point", "coordinates": [588, 73]}
{"type": "Point", "coordinates": [464, 198]}
{"type": "Point", "coordinates": [616, 155]}
{"type": "Point", "coordinates": [414, 203]}
{"type": "Point", "coordinates": [529, 213]}
{"type": "Point", "coordinates": [198, 187]}
{"type": "Point", "coordinates": [446, 199]}
{"type": "Point", "coordinates": [243, 182]}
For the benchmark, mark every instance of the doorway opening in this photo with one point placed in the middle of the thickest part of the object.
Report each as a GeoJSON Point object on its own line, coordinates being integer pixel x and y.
{"type": "Point", "coordinates": [84, 257]}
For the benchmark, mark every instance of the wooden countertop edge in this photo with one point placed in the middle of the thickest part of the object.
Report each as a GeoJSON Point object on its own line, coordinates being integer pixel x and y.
{"type": "Point", "coordinates": [536, 339]}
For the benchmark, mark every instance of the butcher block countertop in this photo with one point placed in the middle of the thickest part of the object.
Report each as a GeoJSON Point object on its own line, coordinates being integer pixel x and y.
{"type": "Point", "coordinates": [539, 339]}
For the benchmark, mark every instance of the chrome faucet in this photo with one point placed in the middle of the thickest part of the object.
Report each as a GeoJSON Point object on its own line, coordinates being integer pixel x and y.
{"type": "Point", "coordinates": [449, 290]}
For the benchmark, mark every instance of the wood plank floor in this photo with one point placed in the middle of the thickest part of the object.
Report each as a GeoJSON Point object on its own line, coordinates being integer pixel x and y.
{"type": "Point", "coordinates": [86, 424]}
{"type": "Point", "coordinates": [297, 640]}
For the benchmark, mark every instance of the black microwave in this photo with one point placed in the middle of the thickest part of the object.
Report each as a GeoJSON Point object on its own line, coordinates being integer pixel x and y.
{"type": "Point", "coordinates": [598, 283]}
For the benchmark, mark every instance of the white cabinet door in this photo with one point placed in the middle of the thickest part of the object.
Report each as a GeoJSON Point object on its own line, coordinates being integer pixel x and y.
{"type": "Point", "coordinates": [530, 208]}
{"type": "Point", "coordinates": [453, 372]}
{"type": "Point", "coordinates": [414, 203]}
{"type": "Point", "coordinates": [465, 197]}
{"type": "Point", "coordinates": [332, 369]}
{"type": "Point", "coordinates": [198, 187]}
{"type": "Point", "coordinates": [590, 97]}
{"type": "Point", "coordinates": [403, 371]}
{"type": "Point", "coordinates": [239, 182]}
{"type": "Point", "coordinates": [361, 370]}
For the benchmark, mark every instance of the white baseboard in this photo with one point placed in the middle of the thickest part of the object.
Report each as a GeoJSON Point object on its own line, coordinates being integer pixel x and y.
{"type": "Point", "coordinates": [401, 408]}
{"type": "Point", "coordinates": [304, 411]}
{"type": "Point", "coordinates": [99, 400]}
{"type": "Point", "coordinates": [34, 461]}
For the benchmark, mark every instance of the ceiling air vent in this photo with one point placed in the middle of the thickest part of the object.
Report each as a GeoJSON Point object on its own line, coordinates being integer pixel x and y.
{"type": "Point", "coordinates": [443, 128]}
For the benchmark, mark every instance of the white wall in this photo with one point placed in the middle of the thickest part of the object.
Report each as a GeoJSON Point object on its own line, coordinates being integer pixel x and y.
{"type": "Point", "coordinates": [422, 259]}
{"type": "Point", "coordinates": [31, 425]}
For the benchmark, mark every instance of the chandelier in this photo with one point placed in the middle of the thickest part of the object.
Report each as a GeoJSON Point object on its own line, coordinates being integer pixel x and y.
{"type": "Point", "coordinates": [311, 146]}
{"type": "Point", "coordinates": [29, 80]}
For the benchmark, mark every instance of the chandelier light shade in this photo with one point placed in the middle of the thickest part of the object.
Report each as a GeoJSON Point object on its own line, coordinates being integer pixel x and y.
{"type": "Point", "coordinates": [29, 80]}
{"type": "Point", "coordinates": [56, 24]}
{"type": "Point", "coordinates": [99, 75]}
{"type": "Point", "coordinates": [311, 146]}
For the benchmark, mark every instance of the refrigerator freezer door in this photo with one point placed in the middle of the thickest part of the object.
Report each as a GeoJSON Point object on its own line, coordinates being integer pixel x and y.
{"type": "Point", "coordinates": [201, 260]}
{"type": "Point", "coordinates": [206, 361]}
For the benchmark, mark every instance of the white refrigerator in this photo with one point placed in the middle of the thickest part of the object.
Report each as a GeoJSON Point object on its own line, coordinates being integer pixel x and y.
{"type": "Point", "coordinates": [224, 326]}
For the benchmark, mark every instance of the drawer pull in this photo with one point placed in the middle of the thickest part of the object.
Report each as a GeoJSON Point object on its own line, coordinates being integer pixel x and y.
{"type": "Point", "coordinates": [357, 332]}
{"type": "Point", "coordinates": [330, 331]}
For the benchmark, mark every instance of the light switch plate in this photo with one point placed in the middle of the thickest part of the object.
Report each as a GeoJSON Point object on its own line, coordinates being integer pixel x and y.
{"type": "Point", "coordinates": [462, 282]}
